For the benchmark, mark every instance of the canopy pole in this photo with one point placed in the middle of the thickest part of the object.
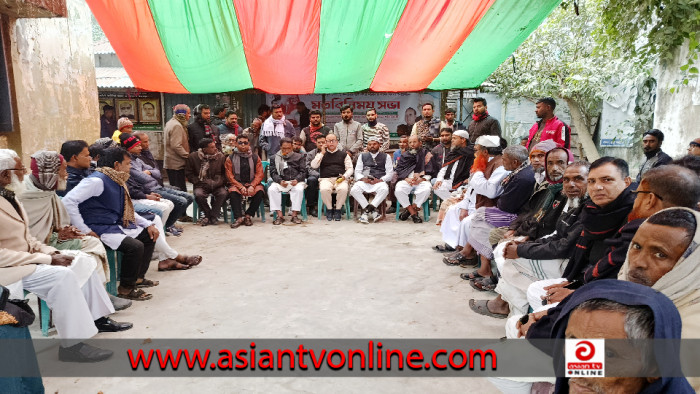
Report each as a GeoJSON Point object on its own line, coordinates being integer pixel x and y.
{"type": "Point", "coordinates": [323, 108]}
{"type": "Point", "coordinates": [461, 104]}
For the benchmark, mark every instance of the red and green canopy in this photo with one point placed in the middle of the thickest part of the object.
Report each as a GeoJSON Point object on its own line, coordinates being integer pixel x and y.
{"type": "Point", "coordinates": [315, 46]}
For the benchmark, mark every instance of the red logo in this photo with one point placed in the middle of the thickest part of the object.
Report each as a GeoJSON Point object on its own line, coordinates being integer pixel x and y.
{"type": "Point", "coordinates": [585, 350]}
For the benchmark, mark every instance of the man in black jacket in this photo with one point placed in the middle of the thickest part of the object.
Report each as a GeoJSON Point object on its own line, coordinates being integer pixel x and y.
{"type": "Point", "coordinates": [652, 141]}
{"type": "Point", "coordinates": [520, 262]}
{"type": "Point", "coordinates": [202, 128]}
{"type": "Point", "coordinates": [288, 172]}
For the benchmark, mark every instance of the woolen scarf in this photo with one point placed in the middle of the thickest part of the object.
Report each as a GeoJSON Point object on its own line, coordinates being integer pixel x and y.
{"type": "Point", "coordinates": [120, 178]}
{"type": "Point", "coordinates": [463, 157]}
{"type": "Point", "coordinates": [480, 117]}
{"type": "Point", "coordinates": [206, 159]}
{"type": "Point", "coordinates": [407, 164]}
{"type": "Point", "coordinates": [236, 162]}
{"type": "Point", "coordinates": [512, 174]}
{"type": "Point", "coordinates": [598, 223]}
{"type": "Point", "coordinates": [274, 127]}
{"type": "Point", "coordinates": [44, 166]}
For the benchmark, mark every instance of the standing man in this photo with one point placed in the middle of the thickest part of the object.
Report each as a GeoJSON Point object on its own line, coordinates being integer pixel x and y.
{"type": "Point", "coordinates": [177, 146]}
{"type": "Point", "coordinates": [315, 129]}
{"type": "Point", "coordinates": [230, 126]}
{"type": "Point", "coordinates": [253, 133]}
{"type": "Point", "coordinates": [694, 147]}
{"type": "Point", "coordinates": [438, 154]}
{"type": "Point", "coordinates": [77, 155]}
{"type": "Point", "coordinates": [335, 167]}
{"type": "Point", "coordinates": [455, 170]}
{"type": "Point", "coordinates": [220, 115]}
{"type": "Point", "coordinates": [304, 114]}
{"type": "Point", "coordinates": [373, 173]}
{"type": "Point", "coordinates": [375, 129]}
{"type": "Point", "coordinates": [428, 128]}
{"type": "Point", "coordinates": [312, 176]}
{"type": "Point", "coordinates": [482, 123]}
{"type": "Point", "coordinates": [410, 171]}
{"type": "Point", "coordinates": [274, 129]}
{"type": "Point", "coordinates": [348, 132]}
{"type": "Point", "coordinates": [549, 126]}
{"type": "Point", "coordinates": [202, 128]}
{"type": "Point", "coordinates": [652, 141]}
{"type": "Point", "coordinates": [288, 172]}
{"type": "Point", "coordinates": [107, 122]}
{"type": "Point", "coordinates": [244, 171]}
{"type": "Point", "coordinates": [450, 121]}
{"type": "Point", "coordinates": [205, 171]}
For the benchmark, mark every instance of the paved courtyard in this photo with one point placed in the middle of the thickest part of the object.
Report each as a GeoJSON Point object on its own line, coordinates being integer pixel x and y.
{"type": "Point", "coordinates": [316, 280]}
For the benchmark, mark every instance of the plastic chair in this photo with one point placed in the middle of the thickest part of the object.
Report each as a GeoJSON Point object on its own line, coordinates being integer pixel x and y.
{"type": "Point", "coordinates": [44, 316]}
{"type": "Point", "coordinates": [435, 199]}
{"type": "Point", "coordinates": [195, 211]}
{"type": "Point", "coordinates": [356, 207]}
{"type": "Point", "coordinates": [285, 197]}
{"type": "Point", "coordinates": [114, 259]}
{"type": "Point", "coordinates": [426, 208]}
{"type": "Point", "coordinates": [322, 207]}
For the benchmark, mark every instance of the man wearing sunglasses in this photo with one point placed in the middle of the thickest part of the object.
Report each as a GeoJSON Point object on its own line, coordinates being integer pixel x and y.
{"type": "Point", "coordinates": [694, 147]}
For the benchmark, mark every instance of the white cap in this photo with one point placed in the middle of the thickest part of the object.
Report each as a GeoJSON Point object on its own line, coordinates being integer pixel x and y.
{"type": "Point", "coordinates": [461, 133]}
{"type": "Point", "coordinates": [489, 141]}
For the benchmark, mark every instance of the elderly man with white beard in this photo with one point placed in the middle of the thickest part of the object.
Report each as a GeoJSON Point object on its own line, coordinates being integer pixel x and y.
{"type": "Point", "coordinates": [49, 222]}
{"type": "Point", "coordinates": [79, 309]}
{"type": "Point", "coordinates": [522, 263]}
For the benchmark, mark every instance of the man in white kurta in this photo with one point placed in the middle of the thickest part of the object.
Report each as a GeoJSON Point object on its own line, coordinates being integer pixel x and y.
{"type": "Point", "coordinates": [373, 172]}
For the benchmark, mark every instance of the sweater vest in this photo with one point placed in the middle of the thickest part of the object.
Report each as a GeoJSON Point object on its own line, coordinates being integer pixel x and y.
{"type": "Point", "coordinates": [376, 166]}
{"type": "Point", "coordinates": [333, 164]}
{"type": "Point", "coordinates": [103, 213]}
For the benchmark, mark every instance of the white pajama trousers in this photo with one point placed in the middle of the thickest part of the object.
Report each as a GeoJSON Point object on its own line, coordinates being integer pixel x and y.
{"type": "Point", "coordinates": [74, 308]}
{"type": "Point", "coordinates": [444, 190]}
{"type": "Point", "coordinates": [380, 190]}
{"type": "Point", "coordinates": [518, 274]}
{"type": "Point", "coordinates": [162, 250]}
{"type": "Point", "coordinates": [296, 194]}
{"type": "Point", "coordinates": [463, 234]}
{"type": "Point", "coordinates": [166, 206]}
{"type": "Point", "coordinates": [421, 192]}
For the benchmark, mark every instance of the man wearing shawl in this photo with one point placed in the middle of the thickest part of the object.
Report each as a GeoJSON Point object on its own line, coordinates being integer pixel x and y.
{"type": "Point", "coordinates": [314, 130]}
{"type": "Point", "coordinates": [544, 255]}
{"type": "Point", "coordinates": [177, 146]}
{"type": "Point", "coordinates": [611, 309]}
{"type": "Point", "coordinates": [428, 128]}
{"type": "Point", "coordinates": [79, 301]}
{"type": "Point", "coordinates": [48, 219]}
{"type": "Point", "coordinates": [244, 172]}
{"type": "Point", "coordinates": [288, 172]}
{"type": "Point", "coordinates": [455, 169]}
{"type": "Point", "coordinates": [205, 171]}
{"type": "Point", "coordinates": [410, 172]}
{"type": "Point", "coordinates": [100, 205]}
{"type": "Point", "coordinates": [537, 160]}
{"type": "Point", "coordinates": [520, 182]}
{"type": "Point", "coordinates": [273, 130]}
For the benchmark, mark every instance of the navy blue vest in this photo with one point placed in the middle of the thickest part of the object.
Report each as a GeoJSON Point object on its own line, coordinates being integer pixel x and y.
{"type": "Point", "coordinates": [377, 166]}
{"type": "Point", "coordinates": [103, 214]}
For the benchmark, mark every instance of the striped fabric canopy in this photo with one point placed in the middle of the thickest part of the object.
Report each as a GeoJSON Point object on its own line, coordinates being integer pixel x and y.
{"type": "Point", "coordinates": [315, 46]}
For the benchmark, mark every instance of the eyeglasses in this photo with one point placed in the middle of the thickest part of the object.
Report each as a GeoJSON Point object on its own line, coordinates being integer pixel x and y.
{"type": "Point", "coordinates": [23, 169]}
{"type": "Point", "coordinates": [647, 192]}
{"type": "Point", "coordinates": [244, 143]}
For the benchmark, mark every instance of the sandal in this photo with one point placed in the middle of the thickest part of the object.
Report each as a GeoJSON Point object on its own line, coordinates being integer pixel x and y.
{"type": "Point", "coordinates": [135, 295]}
{"type": "Point", "coordinates": [296, 220]}
{"type": "Point", "coordinates": [474, 275]}
{"type": "Point", "coordinates": [203, 222]}
{"type": "Point", "coordinates": [481, 307]}
{"type": "Point", "coordinates": [248, 221]}
{"type": "Point", "coordinates": [171, 265]}
{"type": "Point", "coordinates": [191, 261]}
{"type": "Point", "coordinates": [238, 223]}
{"type": "Point", "coordinates": [454, 259]}
{"type": "Point", "coordinates": [486, 284]}
{"type": "Point", "coordinates": [443, 248]}
{"type": "Point", "coordinates": [147, 283]}
{"type": "Point", "coordinates": [470, 262]}
{"type": "Point", "coordinates": [278, 221]}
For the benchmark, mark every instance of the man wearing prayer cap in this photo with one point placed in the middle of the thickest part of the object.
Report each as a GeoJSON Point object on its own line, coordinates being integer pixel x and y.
{"type": "Point", "coordinates": [455, 169]}
{"type": "Point", "coordinates": [373, 172]}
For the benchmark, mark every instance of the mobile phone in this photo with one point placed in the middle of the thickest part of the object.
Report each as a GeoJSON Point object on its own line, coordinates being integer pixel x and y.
{"type": "Point", "coordinates": [4, 295]}
{"type": "Point", "coordinates": [525, 319]}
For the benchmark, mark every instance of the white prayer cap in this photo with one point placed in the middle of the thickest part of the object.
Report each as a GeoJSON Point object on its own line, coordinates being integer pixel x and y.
{"type": "Point", "coordinates": [489, 141]}
{"type": "Point", "coordinates": [461, 133]}
{"type": "Point", "coordinates": [375, 139]}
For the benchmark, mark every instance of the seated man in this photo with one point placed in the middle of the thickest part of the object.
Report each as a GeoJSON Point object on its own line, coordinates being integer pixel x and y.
{"type": "Point", "coordinates": [80, 305]}
{"type": "Point", "coordinates": [335, 167]}
{"type": "Point", "coordinates": [439, 153]}
{"type": "Point", "coordinates": [147, 157]}
{"type": "Point", "coordinates": [541, 258]}
{"type": "Point", "coordinates": [372, 174]}
{"type": "Point", "coordinates": [411, 178]}
{"type": "Point", "coordinates": [244, 172]}
{"type": "Point", "coordinates": [298, 145]}
{"type": "Point", "coordinates": [100, 206]}
{"type": "Point", "coordinates": [537, 158]}
{"type": "Point", "coordinates": [312, 175]}
{"type": "Point", "coordinates": [206, 172]}
{"type": "Point", "coordinates": [288, 172]}
{"type": "Point", "coordinates": [77, 155]}
{"type": "Point", "coordinates": [49, 222]}
{"type": "Point", "coordinates": [455, 169]}
{"type": "Point", "coordinates": [520, 182]}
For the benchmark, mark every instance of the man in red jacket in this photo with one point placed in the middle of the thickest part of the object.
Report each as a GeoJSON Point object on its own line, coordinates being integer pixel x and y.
{"type": "Point", "coordinates": [549, 127]}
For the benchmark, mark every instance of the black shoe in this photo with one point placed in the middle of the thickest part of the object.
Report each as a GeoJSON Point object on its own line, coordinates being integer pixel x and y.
{"type": "Point", "coordinates": [83, 353]}
{"type": "Point", "coordinates": [105, 324]}
{"type": "Point", "coordinates": [337, 215]}
{"type": "Point", "coordinates": [404, 214]}
{"type": "Point", "coordinates": [313, 212]}
{"type": "Point", "coordinates": [416, 219]}
{"type": "Point", "coordinates": [391, 209]}
{"type": "Point", "coordinates": [330, 214]}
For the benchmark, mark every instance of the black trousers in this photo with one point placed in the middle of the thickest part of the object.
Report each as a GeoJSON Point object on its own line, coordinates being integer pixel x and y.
{"type": "Point", "coordinates": [311, 191]}
{"type": "Point", "coordinates": [236, 201]}
{"type": "Point", "coordinates": [218, 197]}
{"type": "Point", "coordinates": [177, 179]}
{"type": "Point", "coordinates": [137, 257]}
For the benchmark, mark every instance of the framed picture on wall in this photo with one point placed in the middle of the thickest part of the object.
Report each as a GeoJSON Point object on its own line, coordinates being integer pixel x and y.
{"type": "Point", "coordinates": [149, 110]}
{"type": "Point", "coordinates": [126, 107]}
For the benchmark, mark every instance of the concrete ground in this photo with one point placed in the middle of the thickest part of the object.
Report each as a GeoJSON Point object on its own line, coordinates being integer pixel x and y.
{"type": "Point", "coordinates": [316, 280]}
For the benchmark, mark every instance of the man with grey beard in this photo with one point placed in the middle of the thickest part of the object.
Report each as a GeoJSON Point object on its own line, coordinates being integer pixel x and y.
{"type": "Point", "coordinates": [520, 263]}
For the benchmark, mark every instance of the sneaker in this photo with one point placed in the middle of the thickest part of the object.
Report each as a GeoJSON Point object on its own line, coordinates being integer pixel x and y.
{"type": "Point", "coordinates": [375, 215]}
{"type": "Point", "coordinates": [330, 214]}
{"type": "Point", "coordinates": [337, 215]}
{"type": "Point", "coordinates": [364, 219]}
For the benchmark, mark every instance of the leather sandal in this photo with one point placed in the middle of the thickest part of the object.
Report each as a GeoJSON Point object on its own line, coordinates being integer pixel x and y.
{"type": "Point", "coordinates": [279, 220]}
{"type": "Point", "coordinates": [248, 221]}
{"type": "Point", "coordinates": [147, 283]}
{"type": "Point", "coordinates": [296, 220]}
{"type": "Point", "coordinates": [136, 295]}
{"type": "Point", "coordinates": [238, 223]}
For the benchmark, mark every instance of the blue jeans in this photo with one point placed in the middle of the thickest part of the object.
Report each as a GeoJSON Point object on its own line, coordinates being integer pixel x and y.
{"type": "Point", "coordinates": [180, 199]}
{"type": "Point", "coordinates": [27, 384]}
